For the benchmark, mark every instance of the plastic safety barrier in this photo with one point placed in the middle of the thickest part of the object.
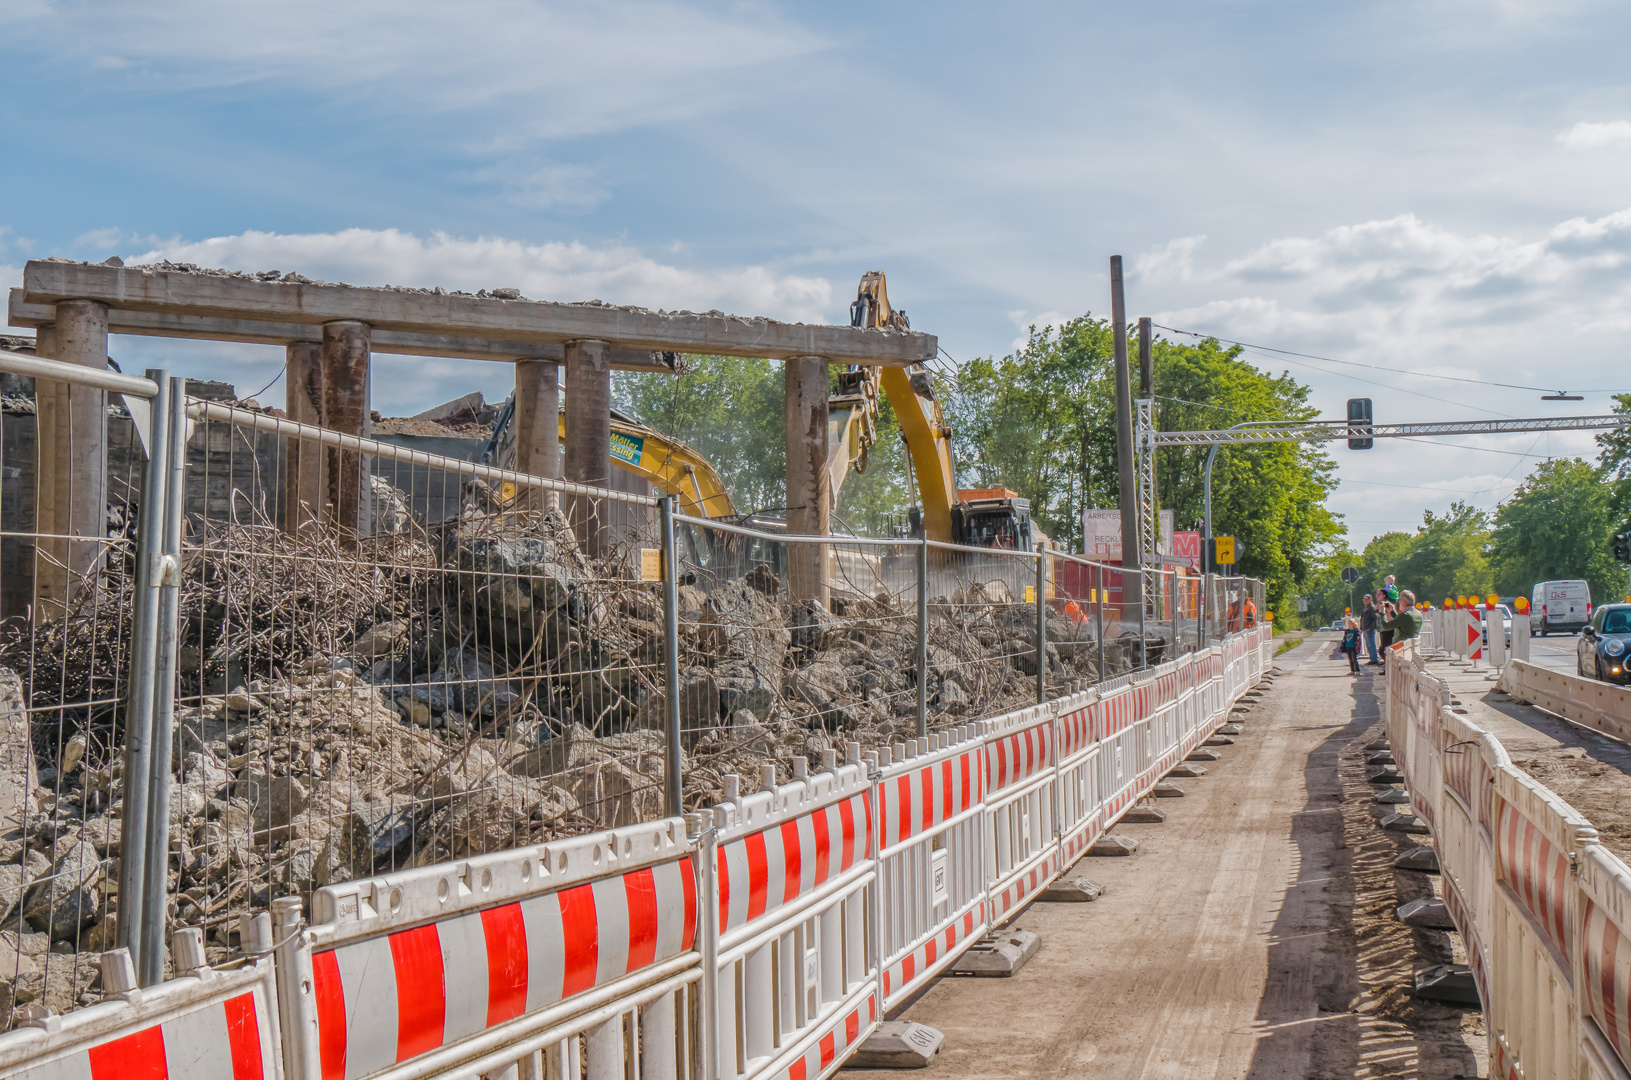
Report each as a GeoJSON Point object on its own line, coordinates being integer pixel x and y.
{"type": "Point", "coordinates": [207, 1026]}
{"type": "Point", "coordinates": [1543, 909]}
{"type": "Point", "coordinates": [1599, 705]}
{"type": "Point", "coordinates": [765, 938]}
{"type": "Point", "coordinates": [502, 960]}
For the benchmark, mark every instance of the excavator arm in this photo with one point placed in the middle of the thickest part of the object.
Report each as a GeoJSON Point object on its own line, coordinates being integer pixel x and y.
{"type": "Point", "coordinates": [911, 394]}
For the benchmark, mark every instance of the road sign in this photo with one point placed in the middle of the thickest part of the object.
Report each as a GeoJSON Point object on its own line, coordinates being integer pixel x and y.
{"type": "Point", "coordinates": [1350, 575]}
{"type": "Point", "coordinates": [1225, 553]}
{"type": "Point", "coordinates": [1302, 603]}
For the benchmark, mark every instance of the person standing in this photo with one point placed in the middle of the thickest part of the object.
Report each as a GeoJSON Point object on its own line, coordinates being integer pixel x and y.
{"type": "Point", "coordinates": [1368, 623]}
{"type": "Point", "coordinates": [1405, 624]}
{"type": "Point", "coordinates": [1350, 643]}
{"type": "Point", "coordinates": [1384, 612]}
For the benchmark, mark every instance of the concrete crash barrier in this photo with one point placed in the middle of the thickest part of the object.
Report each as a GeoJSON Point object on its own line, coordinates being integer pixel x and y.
{"type": "Point", "coordinates": [1599, 705]}
{"type": "Point", "coordinates": [1543, 909]}
{"type": "Point", "coordinates": [763, 938]}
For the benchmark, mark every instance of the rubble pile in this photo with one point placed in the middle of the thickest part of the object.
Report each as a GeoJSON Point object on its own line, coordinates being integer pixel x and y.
{"type": "Point", "coordinates": [440, 693]}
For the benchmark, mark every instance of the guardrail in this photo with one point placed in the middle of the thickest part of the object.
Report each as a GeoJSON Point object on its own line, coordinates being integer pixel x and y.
{"type": "Point", "coordinates": [1543, 909]}
{"type": "Point", "coordinates": [766, 938]}
{"type": "Point", "coordinates": [1600, 705]}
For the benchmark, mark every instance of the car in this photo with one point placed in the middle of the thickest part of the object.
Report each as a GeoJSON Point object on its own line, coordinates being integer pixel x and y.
{"type": "Point", "coordinates": [1506, 622]}
{"type": "Point", "coordinates": [1601, 652]}
{"type": "Point", "coordinates": [1563, 606]}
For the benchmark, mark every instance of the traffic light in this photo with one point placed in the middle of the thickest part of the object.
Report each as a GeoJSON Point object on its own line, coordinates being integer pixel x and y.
{"type": "Point", "coordinates": [1622, 547]}
{"type": "Point", "coordinates": [1359, 422]}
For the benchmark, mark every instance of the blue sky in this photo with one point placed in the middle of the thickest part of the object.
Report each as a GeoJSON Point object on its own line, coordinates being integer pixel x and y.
{"type": "Point", "coordinates": [1441, 186]}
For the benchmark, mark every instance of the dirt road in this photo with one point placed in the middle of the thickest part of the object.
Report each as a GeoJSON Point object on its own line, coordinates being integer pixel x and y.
{"type": "Point", "coordinates": [1229, 945]}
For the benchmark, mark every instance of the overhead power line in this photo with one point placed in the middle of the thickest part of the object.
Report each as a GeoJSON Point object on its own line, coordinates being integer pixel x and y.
{"type": "Point", "coordinates": [1375, 367]}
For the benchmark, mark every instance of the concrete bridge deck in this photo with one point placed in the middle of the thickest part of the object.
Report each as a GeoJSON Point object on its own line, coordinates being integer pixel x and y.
{"type": "Point", "coordinates": [1252, 935]}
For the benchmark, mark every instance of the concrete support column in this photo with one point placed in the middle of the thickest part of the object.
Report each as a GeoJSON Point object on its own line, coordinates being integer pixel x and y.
{"type": "Point", "coordinates": [73, 455]}
{"type": "Point", "coordinates": [345, 409]}
{"type": "Point", "coordinates": [538, 423]}
{"type": "Point", "coordinates": [809, 484]}
{"type": "Point", "coordinates": [305, 484]}
{"type": "Point", "coordinates": [588, 445]}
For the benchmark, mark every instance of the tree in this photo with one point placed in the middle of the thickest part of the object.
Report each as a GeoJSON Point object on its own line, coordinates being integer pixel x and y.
{"type": "Point", "coordinates": [726, 408]}
{"type": "Point", "coordinates": [1558, 524]}
{"type": "Point", "coordinates": [1042, 421]}
{"type": "Point", "coordinates": [1448, 556]}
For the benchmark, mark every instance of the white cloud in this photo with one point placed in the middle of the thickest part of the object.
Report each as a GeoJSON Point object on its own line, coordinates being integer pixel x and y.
{"type": "Point", "coordinates": [1041, 322]}
{"type": "Point", "coordinates": [551, 271]}
{"type": "Point", "coordinates": [1175, 262]}
{"type": "Point", "coordinates": [524, 68]}
{"type": "Point", "coordinates": [1587, 135]}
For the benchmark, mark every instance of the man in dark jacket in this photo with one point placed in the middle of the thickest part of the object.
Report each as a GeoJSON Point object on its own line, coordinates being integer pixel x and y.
{"type": "Point", "coordinates": [1368, 622]}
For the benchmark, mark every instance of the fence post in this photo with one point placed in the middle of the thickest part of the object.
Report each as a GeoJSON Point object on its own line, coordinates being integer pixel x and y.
{"type": "Point", "coordinates": [1143, 634]}
{"type": "Point", "coordinates": [155, 906]}
{"type": "Point", "coordinates": [923, 639]}
{"type": "Point", "coordinates": [143, 660]}
{"type": "Point", "coordinates": [672, 802]}
{"type": "Point", "coordinates": [1041, 625]}
{"type": "Point", "coordinates": [1098, 594]}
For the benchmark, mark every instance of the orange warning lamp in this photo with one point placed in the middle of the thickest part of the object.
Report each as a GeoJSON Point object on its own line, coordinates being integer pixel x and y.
{"type": "Point", "coordinates": [1492, 599]}
{"type": "Point", "coordinates": [1461, 601]}
{"type": "Point", "coordinates": [1522, 604]}
{"type": "Point", "coordinates": [1448, 603]}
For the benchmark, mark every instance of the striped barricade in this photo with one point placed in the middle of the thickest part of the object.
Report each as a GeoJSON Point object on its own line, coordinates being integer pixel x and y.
{"type": "Point", "coordinates": [1078, 792]}
{"type": "Point", "coordinates": [1116, 717]}
{"type": "Point", "coordinates": [212, 1025]}
{"type": "Point", "coordinates": [1532, 949]}
{"type": "Point", "coordinates": [930, 850]}
{"type": "Point", "coordinates": [1022, 849]}
{"type": "Point", "coordinates": [571, 955]}
{"type": "Point", "coordinates": [795, 875]}
{"type": "Point", "coordinates": [1162, 724]}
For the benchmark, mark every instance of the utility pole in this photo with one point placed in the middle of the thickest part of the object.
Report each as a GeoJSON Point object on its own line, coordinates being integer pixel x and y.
{"type": "Point", "coordinates": [1132, 576]}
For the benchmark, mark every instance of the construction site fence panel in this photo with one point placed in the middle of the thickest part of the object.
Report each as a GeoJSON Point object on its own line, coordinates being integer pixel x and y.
{"type": "Point", "coordinates": [1542, 907]}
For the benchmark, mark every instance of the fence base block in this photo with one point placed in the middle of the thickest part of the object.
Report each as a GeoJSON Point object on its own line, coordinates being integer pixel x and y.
{"type": "Point", "coordinates": [1379, 744]}
{"type": "Point", "coordinates": [1386, 776]}
{"type": "Point", "coordinates": [1428, 913]}
{"type": "Point", "coordinates": [898, 1044]}
{"type": "Point", "coordinates": [1165, 790]}
{"type": "Point", "coordinates": [1000, 955]}
{"type": "Point", "coordinates": [1402, 822]}
{"type": "Point", "coordinates": [1381, 757]}
{"type": "Point", "coordinates": [1077, 890]}
{"type": "Point", "coordinates": [1113, 845]}
{"type": "Point", "coordinates": [1424, 859]}
{"type": "Point", "coordinates": [1390, 796]}
{"type": "Point", "coordinates": [1218, 740]}
{"type": "Point", "coordinates": [1189, 771]}
{"type": "Point", "coordinates": [1144, 815]}
{"type": "Point", "coordinates": [1231, 729]}
{"type": "Point", "coordinates": [1450, 983]}
{"type": "Point", "coordinates": [1204, 755]}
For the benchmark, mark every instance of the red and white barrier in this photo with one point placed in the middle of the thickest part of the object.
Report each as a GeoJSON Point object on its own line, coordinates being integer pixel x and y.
{"type": "Point", "coordinates": [215, 1026]}
{"type": "Point", "coordinates": [1543, 909]}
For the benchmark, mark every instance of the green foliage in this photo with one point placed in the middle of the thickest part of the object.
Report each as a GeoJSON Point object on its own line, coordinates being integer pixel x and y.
{"type": "Point", "coordinates": [1559, 525]}
{"type": "Point", "coordinates": [1042, 421]}
{"type": "Point", "coordinates": [727, 409]}
{"type": "Point", "coordinates": [1448, 556]}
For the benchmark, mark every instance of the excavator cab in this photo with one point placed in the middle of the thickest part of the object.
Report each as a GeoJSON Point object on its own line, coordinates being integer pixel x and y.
{"type": "Point", "coordinates": [993, 518]}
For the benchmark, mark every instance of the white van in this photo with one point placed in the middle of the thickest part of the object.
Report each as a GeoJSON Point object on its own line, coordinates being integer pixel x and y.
{"type": "Point", "coordinates": [1564, 606]}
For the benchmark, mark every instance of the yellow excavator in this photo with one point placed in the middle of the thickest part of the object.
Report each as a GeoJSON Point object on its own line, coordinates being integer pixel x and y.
{"type": "Point", "coordinates": [983, 517]}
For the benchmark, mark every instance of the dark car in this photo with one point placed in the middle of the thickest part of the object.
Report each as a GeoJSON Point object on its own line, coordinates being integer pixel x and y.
{"type": "Point", "coordinates": [1604, 644]}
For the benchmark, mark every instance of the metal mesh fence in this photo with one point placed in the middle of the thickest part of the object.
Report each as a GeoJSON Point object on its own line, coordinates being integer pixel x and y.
{"type": "Point", "coordinates": [455, 677]}
{"type": "Point", "coordinates": [67, 562]}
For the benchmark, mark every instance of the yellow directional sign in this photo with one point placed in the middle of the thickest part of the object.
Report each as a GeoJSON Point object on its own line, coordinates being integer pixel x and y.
{"type": "Point", "coordinates": [1226, 551]}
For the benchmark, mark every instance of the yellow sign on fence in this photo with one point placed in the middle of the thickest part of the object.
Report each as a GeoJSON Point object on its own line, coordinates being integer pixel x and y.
{"type": "Point", "coordinates": [1226, 551]}
{"type": "Point", "coordinates": [651, 564]}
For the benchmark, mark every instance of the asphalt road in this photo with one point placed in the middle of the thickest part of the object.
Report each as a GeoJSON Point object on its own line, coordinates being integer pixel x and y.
{"type": "Point", "coordinates": [1555, 652]}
